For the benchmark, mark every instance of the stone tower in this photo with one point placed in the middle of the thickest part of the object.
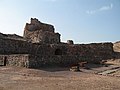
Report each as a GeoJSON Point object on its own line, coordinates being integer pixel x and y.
{"type": "Point", "coordinates": [38, 32]}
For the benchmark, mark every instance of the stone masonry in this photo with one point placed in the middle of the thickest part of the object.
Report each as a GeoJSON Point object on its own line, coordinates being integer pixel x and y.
{"type": "Point", "coordinates": [37, 32]}
{"type": "Point", "coordinates": [41, 46]}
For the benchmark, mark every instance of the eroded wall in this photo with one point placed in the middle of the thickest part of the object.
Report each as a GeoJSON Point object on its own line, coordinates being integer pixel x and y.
{"type": "Point", "coordinates": [19, 60]}
{"type": "Point", "coordinates": [8, 46]}
{"type": "Point", "coordinates": [59, 60]}
{"type": "Point", "coordinates": [72, 54]}
{"type": "Point", "coordinates": [55, 54]}
{"type": "Point", "coordinates": [38, 32]}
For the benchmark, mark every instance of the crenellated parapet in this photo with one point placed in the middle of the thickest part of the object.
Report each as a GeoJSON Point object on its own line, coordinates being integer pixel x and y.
{"type": "Point", "coordinates": [35, 24]}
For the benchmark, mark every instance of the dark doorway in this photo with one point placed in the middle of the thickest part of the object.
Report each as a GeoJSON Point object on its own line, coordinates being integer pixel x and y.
{"type": "Point", "coordinates": [58, 52]}
{"type": "Point", "coordinates": [5, 61]}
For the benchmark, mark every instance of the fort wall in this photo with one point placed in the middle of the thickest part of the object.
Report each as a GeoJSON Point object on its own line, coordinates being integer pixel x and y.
{"type": "Point", "coordinates": [59, 60]}
{"type": "Point", "coordinates": [52, 54]}
{"type": "Point", "coordinates": [9, 46]}
{"type": "Point", "coordinates": [19, 60]}
{"type": "Point", "coordinates": [41, 46]}
{"type": "Point", "coordinates": [38, 32]}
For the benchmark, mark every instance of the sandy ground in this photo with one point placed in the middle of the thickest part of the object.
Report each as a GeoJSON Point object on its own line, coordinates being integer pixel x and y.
{"type": "Point", "coordinates": [12, 78]}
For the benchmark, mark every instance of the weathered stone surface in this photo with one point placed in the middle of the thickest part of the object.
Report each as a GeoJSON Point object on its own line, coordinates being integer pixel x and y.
{"type": "Point", "coordinates": [37, 32]}
{"type": "Point", "coordinates": [70, 42]}
{"type": "Point", "coordinates": [41, 46]}
{"type": "Point", "coordinates": [117, 46]}
{"type": "Point", "coordinates": [11, 36]}
{"type": "Point", "coordinates": [20, 60]}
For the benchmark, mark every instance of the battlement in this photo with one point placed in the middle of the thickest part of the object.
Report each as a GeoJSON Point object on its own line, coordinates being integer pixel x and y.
{"type": "Point", "coordinates": [34, 21]}
{"type": "Point", "coordinates": [35, 24]}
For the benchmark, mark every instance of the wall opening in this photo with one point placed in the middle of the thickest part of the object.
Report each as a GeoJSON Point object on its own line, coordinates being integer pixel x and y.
{"type": "Point", "coordinates": [58, 52]}
{"type": "Point", "coordinates": [5, 61]}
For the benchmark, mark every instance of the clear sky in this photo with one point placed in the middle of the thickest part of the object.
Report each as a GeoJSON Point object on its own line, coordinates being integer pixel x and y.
{"type": "Point", "coordinates": [83, 21]}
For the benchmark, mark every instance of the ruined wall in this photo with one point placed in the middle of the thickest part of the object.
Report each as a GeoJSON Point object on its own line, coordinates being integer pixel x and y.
{"type": "Point", "coordinates": [104, 50]}
{"type": "Point", "coordinates": [11, 36]}
{"type": "Point", "coordinates": [54, 60]}
{"type": "Point", "coordinates": [8, 46]}
{"type": "Point", "coordinates": [44, 48]}
{"type": "Point", "coordinates": [71, 54]}
{"type": "Point", "coordinates": [37, 32]}
{"type": "Point", "coordinates": [58, 60]}
{"type": "Point", "coordinates": [20, 60]}
{"type": "Point", "coordinates": [35, 24]}
{"type": "Point", "coordinates": [101, 50]}
{"type": "Point", "coordinates": [54, 54]}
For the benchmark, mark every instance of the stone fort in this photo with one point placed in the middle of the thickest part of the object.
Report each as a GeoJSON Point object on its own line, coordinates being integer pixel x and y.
{"type": "Point", "coordinates": [41, 46]}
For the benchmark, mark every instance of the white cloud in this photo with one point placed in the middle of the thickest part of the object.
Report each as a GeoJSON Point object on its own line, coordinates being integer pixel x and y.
{"type": "Point", "coordinates": [91, 12]}
{"type": "Point", "coordinates": [106, 7]}
{"type": "Point", "coordinates": [103, 8]}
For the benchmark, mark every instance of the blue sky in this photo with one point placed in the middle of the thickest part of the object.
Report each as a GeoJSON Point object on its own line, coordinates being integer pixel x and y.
{"type": "Point", "coordinates": [83, 21]}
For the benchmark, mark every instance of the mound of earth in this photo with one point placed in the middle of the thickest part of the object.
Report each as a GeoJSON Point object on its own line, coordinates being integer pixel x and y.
{"type": "Point", "coordinates": [117, 46]}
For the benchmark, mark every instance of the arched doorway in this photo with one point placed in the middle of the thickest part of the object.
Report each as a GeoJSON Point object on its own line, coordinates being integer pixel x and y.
{"type": "Point", "coordinates": [58, 52]}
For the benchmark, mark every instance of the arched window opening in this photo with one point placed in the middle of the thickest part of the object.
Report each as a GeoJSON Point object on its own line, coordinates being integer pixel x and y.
{"type": "Point", "coordinates": [58, 52]}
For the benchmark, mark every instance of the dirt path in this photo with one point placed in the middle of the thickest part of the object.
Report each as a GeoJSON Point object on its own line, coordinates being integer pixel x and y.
{"type": "Point", "coordinates": [30, 79]}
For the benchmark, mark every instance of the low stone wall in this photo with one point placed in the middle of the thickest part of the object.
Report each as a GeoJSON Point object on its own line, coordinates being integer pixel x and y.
{"type": "Point", "coordinates": [37, 61]}
{"type": "Point", "coordinates": [20, 60]}
{"type": "Point", "coordinates": [103, 50]}
{"type": "Point", "coordinates": [9, 46]}
{"type": "Point", "coordinates": [58, 60]}
{"type": "Point", "coordinates": [53, 54]}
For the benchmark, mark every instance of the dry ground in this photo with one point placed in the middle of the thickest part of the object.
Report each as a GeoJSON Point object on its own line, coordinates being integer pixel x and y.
{"type": "Point", "coordinates": [12, 78]}
{"type": "Point", "coordinates": [117, 46]}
